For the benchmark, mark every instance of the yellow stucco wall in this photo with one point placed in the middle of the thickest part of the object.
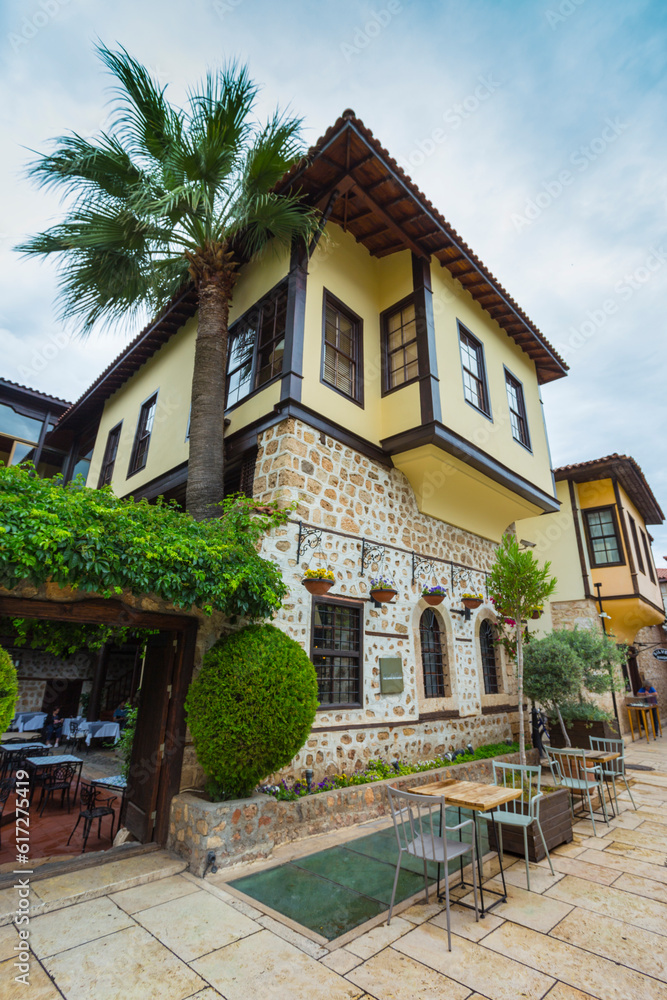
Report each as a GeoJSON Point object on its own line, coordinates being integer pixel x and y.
{"type": "Point", "coordinates": [367, 286]}
{"type": "Point", "coordinates": [451, 303]}
{"type": "Point", "coordinates": [556, 542]}
{"type": "Point", "coordinates": [169, 373]}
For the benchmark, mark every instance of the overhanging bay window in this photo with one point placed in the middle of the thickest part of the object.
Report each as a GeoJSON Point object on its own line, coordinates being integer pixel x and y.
{"type": "Point", "coordinates": [336, 652]}
{"type": "Point", "coordinates": [602, 536]}
{"type": "Point", "coordinates": [256, 345]}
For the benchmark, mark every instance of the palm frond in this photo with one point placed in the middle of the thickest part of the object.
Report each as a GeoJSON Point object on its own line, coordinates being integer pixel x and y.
{"type": "Point", "coordinates": [77, 163]}
{"type": "Point", "coordinates": [274, 217]}
{"type": "Point", "coordinates": [143, 117]}
{"type": "Point", "coordinates": [275, 149]}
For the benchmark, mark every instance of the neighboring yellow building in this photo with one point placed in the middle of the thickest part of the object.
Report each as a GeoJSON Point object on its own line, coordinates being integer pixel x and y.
{"type": "Point", "coordinates": [387, 383]}
{"type": "Point", "coordinates": [600, 551]}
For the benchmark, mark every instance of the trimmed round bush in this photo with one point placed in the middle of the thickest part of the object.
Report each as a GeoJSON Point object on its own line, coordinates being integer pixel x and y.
{"type": "Point", "coordinates": [251, 708]}
{"type": "Point", "coordinates": [9, 689]}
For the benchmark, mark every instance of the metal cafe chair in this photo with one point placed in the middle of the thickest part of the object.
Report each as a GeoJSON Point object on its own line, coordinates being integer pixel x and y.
{"type": "Point", "coordinates": [570, 770]}
{"type": "Point", "coordinates": [521, 812]}
{"type": "Point", "coordinates": [613, 769]}
{"type": "Point", "coordinates": [416, 820]}
{"type": "Point", "coordinates": [57, 779]}
{"type": "Point", "coordinates": [94, 808]}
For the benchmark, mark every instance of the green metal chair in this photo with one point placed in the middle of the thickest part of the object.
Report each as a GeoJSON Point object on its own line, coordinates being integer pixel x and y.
{"type": "Point", "coordinates": [613, 768]}
{"type": "Point", "coordinates": [570, 770]}
{"type": "Point", "coordinates": [519, 813]}
{"type": "Point", "coordinates": [419, 824]}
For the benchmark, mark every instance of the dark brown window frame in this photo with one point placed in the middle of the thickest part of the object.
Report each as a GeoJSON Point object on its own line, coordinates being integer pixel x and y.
{"type": "Point", "coordinates": [649, 555]}
{"type": "Point", "coordinates": [443, 680]}
{"type": "Point", "coordinates": [619, 543]}
{"type": "Point", "coordinates": [517, 385]}
{"type": "Point", "coordinates": [246, 319]}
{"type": "Point", "coordinates": [140, 435]}
{"type": "Point", "coordinates": [635, 542]}
{"type": "Point", "coordinates": [332, 301]}
{"type": "Point", "coordinates": [483, 380]}
{"type": "Point", "coordinates": [108, 462]}
{"type": "Point", "coordinates": [384, 334]}
{"type": "Point", "coordinates": [360, 607]}
{"type": "Point", "coordinates": [490, 686]}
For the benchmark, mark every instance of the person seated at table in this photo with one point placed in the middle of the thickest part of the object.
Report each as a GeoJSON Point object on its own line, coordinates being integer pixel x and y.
{"type": "Point", "coordinates": [120, 714]}
{"type": "Point", "coordinates": [651, 695]}
{"type": "Point", "coordinates": [53, 727]}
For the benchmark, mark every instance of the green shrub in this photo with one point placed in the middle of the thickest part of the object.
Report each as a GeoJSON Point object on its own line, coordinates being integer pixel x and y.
{"type": "Point", "coordinates": [251, 708]}
{"type": "Point", "coordinates": [9, 689]}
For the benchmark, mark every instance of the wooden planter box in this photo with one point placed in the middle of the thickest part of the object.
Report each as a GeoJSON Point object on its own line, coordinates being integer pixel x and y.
{"type": "Point", "coordinates": [579, 730]}
{"type": "Point", "coordinates": [556, 823]}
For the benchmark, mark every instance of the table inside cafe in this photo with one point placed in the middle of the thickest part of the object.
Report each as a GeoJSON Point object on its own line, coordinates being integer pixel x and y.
{"type": "Point", "coordinates": [476, 797]}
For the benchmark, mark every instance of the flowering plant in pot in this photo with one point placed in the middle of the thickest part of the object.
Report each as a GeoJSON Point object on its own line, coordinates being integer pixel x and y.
{"type": "Point", "coordinates": [383, 590]}
{"type": "Point", "coordinates": [472, 601]}
{"type": "Point", "coordinates": [434, 595]}
{"type": "Point", "coordinates": [537, 611]}
{"type": "Point", "coordinates": [318, 581]}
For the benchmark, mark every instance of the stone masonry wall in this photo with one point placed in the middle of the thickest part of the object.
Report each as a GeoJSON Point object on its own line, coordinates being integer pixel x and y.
{"type": "Point", "coordinates": [654, 671]}
{"type": "Point", "coordinates": [337, 489]}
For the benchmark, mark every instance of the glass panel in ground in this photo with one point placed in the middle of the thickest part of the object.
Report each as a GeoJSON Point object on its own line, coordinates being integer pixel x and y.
{"type": "Point", "coordinates": [323, 906]}
{"type": "Point", "coordinates": [363, 873]}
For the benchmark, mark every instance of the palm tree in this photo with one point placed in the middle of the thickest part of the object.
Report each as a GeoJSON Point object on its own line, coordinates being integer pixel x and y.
{"type": "Point", "coordinates": [164, 197]}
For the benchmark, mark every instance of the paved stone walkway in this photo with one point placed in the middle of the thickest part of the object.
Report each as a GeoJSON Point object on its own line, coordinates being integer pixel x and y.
{"type": "Point", "coordinates": [144, 928]}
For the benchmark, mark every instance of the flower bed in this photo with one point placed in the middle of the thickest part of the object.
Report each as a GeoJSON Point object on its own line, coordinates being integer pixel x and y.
{"type": "Point", "coordinates": [247, 829]}
{"type": "Point", "coordinates": [379, 770]}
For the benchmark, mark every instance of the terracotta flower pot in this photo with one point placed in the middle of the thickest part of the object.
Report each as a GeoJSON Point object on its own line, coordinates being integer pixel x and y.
{"type": "Point", "coordinates": [536, 614]}
{"type": "Point", "coordinates": [433, 599]}
{"type": "Point", "coordinates": [383, 596]}
{"type": "Point", "coordinates": [317, 587]}
{"type": "Point", "coordinates": [471, 603]}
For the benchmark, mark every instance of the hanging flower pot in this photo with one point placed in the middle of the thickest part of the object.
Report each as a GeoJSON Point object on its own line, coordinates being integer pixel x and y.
{"type": "Point", "coordinates": [318, 581]}
{"type": "Point", "coordinates": [434, 595]}
{"type": "Point", "coordinates": [537, 613]}
{"type": "Point", "coordinates": [472, 601]}
{"type": "Point", "coordinates": [383, 591]}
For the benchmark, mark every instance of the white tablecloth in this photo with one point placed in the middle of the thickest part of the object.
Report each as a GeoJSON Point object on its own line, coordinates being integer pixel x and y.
{"type": "Point", "coordinates": [98, 730]}
{"type": "Point", "coordinates": [71, 725]}
{"type": "Point", "coordinates": [29, 721]}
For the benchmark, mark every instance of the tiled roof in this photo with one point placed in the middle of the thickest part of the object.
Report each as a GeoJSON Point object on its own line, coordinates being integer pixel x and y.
{"type": "Point", "coordinates": [629, 474]}
{"type": "Point", "coordinates": [47, 397]}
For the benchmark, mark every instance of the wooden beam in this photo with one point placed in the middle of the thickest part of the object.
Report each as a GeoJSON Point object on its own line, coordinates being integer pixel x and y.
{"type": "Point", "coordinates": [410, 244]}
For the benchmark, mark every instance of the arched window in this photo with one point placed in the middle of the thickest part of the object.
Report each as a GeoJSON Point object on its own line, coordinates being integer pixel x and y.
{"type": "Point", "coordinates": [433, 656]}
{"type": "Point", "coordinates": [489, 665]}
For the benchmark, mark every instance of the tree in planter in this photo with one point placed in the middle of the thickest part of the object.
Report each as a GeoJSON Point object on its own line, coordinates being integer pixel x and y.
{"type": "Point", "coordinates": [167, 197]}
{"type": "Point", "coordinates": [9, 690]}
{"type": "Point", "coordinates": [552, 672]}
{"type": "Point", "coordinates": [599, 656]}
{"type": "Point", "coordinates": [517, 585]}
{"type": "Point", "coordinates": [251, 708]}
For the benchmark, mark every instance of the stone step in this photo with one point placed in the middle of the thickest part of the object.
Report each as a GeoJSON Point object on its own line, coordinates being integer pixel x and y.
{"type": "Point", "coordinates": [54, 892]}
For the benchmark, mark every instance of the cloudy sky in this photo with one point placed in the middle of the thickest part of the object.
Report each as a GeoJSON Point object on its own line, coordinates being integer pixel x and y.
{"type": "Point", "coordinates": [537, 127]}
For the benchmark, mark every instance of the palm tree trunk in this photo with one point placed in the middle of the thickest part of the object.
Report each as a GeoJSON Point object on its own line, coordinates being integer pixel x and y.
{"type": "Point", "coordinates": [205, 488]}
{"type": "Point", "coordinates": [519, 677]}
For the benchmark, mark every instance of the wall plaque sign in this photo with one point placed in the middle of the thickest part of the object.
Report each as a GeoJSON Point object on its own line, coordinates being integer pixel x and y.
{"type": "Point", "coordinates": [391, 674]}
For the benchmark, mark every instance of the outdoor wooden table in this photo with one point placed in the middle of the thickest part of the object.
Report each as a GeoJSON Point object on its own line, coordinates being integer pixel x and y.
{"type": "Point", "coordinates": [642, 709]}
{"type": "Point", "coordinates": [36, 764]}
{"type": "Point", "coordinates": [476, 797]}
